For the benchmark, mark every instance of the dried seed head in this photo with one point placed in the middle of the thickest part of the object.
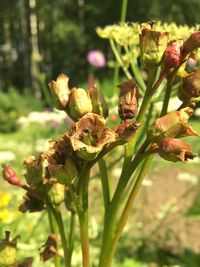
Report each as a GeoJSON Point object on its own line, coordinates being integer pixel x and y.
{"type": "Point", "coordinates": [173, 149]}
{"type": "Point", "coordinates": [128, 99]}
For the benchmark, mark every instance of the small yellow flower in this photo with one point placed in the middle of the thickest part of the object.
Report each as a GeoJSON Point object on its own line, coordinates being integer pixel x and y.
{"type": "Point", "coordinates": [4, 199]}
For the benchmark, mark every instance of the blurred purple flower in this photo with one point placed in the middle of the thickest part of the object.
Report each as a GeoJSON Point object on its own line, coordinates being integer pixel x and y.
{"type": "Point", "coordinates": [96, 58]}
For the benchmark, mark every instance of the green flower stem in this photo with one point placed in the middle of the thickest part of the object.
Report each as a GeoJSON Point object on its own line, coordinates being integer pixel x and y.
{"type": "Point", "coordinates": [122, 19]}
{"type": "Point", "coordinates": [106, 256]}
{"type": "Point", "coordinates": [72, 233]}
{"type": "Point", "coordinates": [137, 76]}
{"type": "Point", "coordinates": [58, 217]}
{"type": "Point", "coordinates": [104, 181]}
{"type": "Point", "coordinates": [83, 215]}
{"type": "Point", "coordinates": [119, 60]}
{"type": "Point", "coordinates": [53, 230]}
{"type": "Point", "coordinates": [170, 81]}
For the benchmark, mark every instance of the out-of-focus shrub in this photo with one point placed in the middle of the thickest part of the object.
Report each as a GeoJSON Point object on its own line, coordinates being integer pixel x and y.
{"type": "Point", "coordinates": [13, 105]}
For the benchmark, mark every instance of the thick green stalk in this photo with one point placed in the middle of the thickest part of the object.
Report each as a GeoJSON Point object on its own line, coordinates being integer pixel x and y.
{"type": "Point", "coordinates": [104, 181]}
{"type": "Point", "coordinates": [83, 216]}
{"type": "Point", "coordinates": [129, 204]}
{"type": "Point", "coordinates": [72, 233]}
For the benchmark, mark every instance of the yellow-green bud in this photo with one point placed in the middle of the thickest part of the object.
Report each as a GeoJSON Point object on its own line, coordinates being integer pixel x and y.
{"type": "Point", "coordinates": [8, 252]}
{"type": "Point", "coordinates": [56, 193]}
{"type": "Point", "coordinates": [152, 46]}
{"type": "Point", "coordinates": [79, 103]}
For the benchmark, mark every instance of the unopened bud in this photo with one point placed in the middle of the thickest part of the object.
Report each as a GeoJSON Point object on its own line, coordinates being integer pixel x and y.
{"type": "Point", "coordinates": [69, 201]}
{"type": "Point", "coordinates": [79, 103]}
{"type": "Point", "coordinates": [152, 46]}
{"type": "Point", "coordinates": [10, 175]}
{"type": "Point", "coordinates": [56, 193]}
{"type": "Point", "coordinates": [192, 43]}
{"type": "Point", "coordinates": [60, 91]}
{"type": "Point", "coordinates": [128, 99]}
{"type": "Point", "coordinates": [174, 124]}
{"type": "Point", "coordinates": [173, 149]}
{"type": "Point", "coordinates": [190, 86]}
{"type": "Point", "coordinates": [173, 56]}
{"type": "Point", "coordinates": [99, 105]}
{"type": "Point", "coordinates": [8, 251]}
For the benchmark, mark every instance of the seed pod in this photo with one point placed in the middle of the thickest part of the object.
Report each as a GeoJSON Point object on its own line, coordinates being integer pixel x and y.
{"type": "Point", "coordinates": [190, 86]}
{"type": "Point", "coordinates": [56, 193]}
{"type": "Point", "coordinates": [8, 251]}
{"type": "Point", "coordinates": [99, 105]}
{"type": "Point", "coordinates": [192, 43]}
{"type": "Point", "coordinates": [79, 103]}
{"type": "Point", "coordinates": [174, 125]}
{"type": "Point", "coordinates": [69, 202]}
{"type": "Point", "coordinates": [152, 45]}
{"type": "Point", "coordinates": [128, 99]}
{"type": "Point", "coordinates": [173, 149]}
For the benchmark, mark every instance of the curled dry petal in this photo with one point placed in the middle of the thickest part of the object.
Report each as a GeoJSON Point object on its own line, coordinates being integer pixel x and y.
{"type": "Point", "coordinates": [173, 125]}
{"type": "Point", "coordinates": [173, 149]}
{"type": "Point", "coordinates": [126, 130]}
{"type": "Point", "coordinates": [31, 202]}
{"type": "Point", "coordinates": [128, 99]}
{"type": "Point", "coordinates": [50, 248]}
{"type": "Point", "coordinates": [60, 90]}
{"type": "Point", "coordinates": [90, 135]}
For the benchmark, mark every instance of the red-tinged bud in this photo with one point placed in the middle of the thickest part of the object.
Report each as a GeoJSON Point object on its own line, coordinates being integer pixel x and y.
{"type": "Point", "coordinates": [128, 99]}
{"type": "Point", "coordinates": [190, 86]}
{"type": "Point", "coordinates": [173, 55]}
{"type": "Point", "coordinates": [173, 149]}
{"type": "Point", "coordinates": [173, 125]}
{"type": "Point", "coordinates": [192, 43]}
{"type": "Point", "coordinates": [152, 45]}
{"type": "Point", "coordinates": [10, 175]}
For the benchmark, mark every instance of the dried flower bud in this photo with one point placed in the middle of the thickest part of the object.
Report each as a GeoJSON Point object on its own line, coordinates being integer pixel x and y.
{"type": "Point", "coordinates": [152, 46]}
{"type": "Point", "coordinates": [90, 135]}
{"type": "Point", "coordinates": [35, 169]}
{"type": "Point", "coordinates": [10, 175]}
{"type": "Point", "coordinates": [31, 202]}
{"type": "Point", "coordinates": [60, 90]}
{"type": "Point", "coordinates": [8, 251]}
{"type": "Point", "coordinates": [190, 86]}
{"type": "Point", "coordinates": [173, 55]}
{"type": "Point", "coordinates": [99, 105]}
{"type": "Point", "coordinates": [79, 103]}
{"type": "Point", "coordinates": [174, 124]}
{"type": "Point", "coordinates": [126, 130]}
{"type": "Point", "coordinates": [50, 248]}
{"type": "Point", "coordinates": [56, 193]}
{"type": "Point", "coordinates": [173, 149]}
{"type": "Point", "coordinates": [128, 99]}
{"type": "Point", "coordinates": [192, 43]}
